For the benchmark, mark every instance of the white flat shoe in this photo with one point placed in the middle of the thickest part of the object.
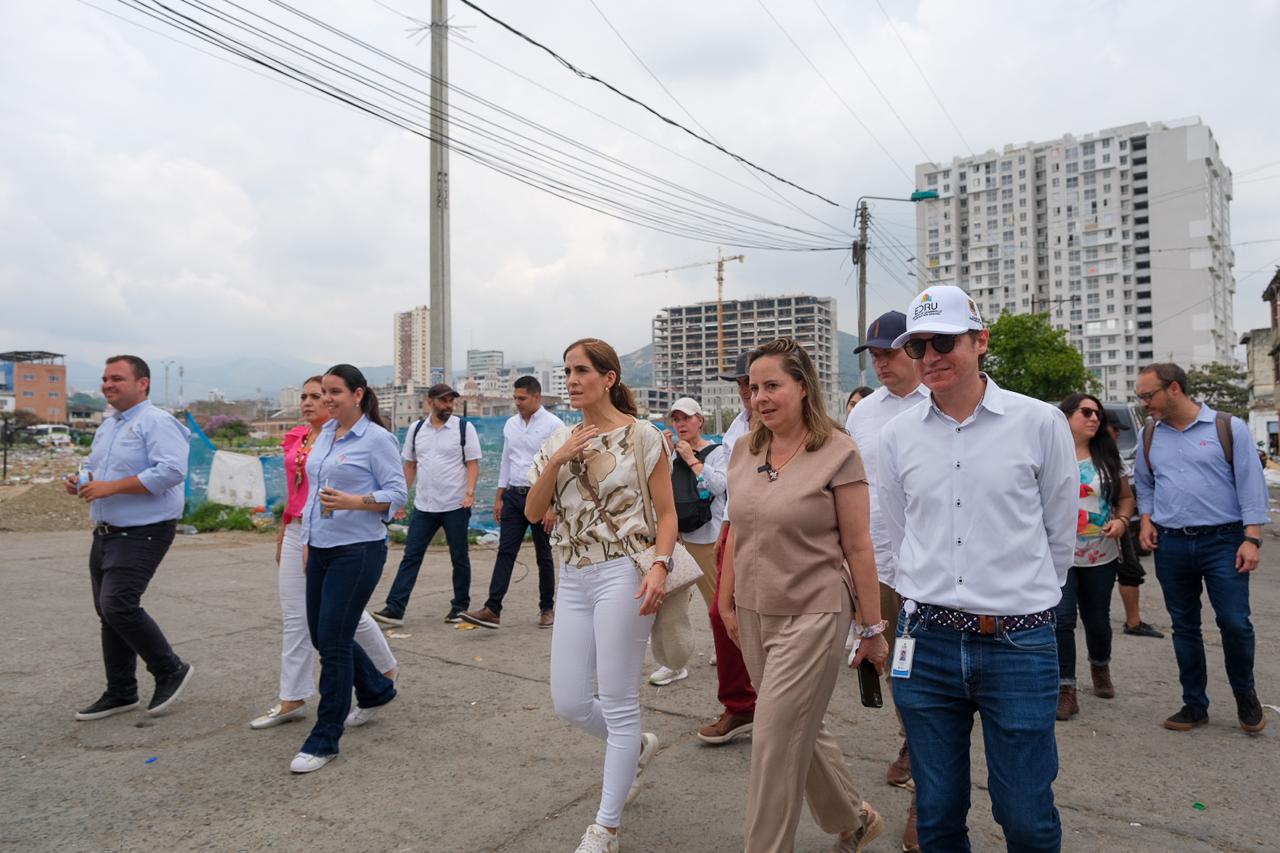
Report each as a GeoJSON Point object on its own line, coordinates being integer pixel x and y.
{"type": "Point", "coordinates": [359, 716]}
{"type": "Point", "coordinates": [648, 746]}
{"type": "Point", "coordinates": [662, 676]}
{"type": "Point", "coordinates": [275, 717]}
{"type": "Point", "coordinates": [305, 763]}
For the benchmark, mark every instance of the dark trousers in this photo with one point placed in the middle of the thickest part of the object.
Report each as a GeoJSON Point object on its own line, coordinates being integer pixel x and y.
{"type": "Point", "coordinates": [1185, 564]}
{"type": "Point", "coordinates": [511, 530]}
{"type": "Point", "coordinates": [340, 582]}
{"type": "Point", "coordinates": [734, 688]}
{"type": "Point", "coordinates": [1087, 591]}
{"type": "Point", "coordinates": [121, 565]}
{"type": "Point", "coordinates": [423, 527]}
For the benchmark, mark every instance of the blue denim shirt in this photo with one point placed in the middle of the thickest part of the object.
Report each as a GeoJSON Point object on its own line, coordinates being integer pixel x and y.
{"type": "Point", "coordinates": [148, 443]}
{"type": "Point", "coordinates": [365, 461]}
{"type": "Point", "coordinates": [1192, 485]}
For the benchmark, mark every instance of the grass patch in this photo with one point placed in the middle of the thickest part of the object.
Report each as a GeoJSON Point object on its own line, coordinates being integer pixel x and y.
{"type": "Point", "coordinates": [209, 517]}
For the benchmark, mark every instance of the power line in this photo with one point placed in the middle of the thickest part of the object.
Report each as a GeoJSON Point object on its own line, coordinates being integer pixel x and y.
{"type": "Point", "coordinates": [837, 95]}
{"type": "Point", "coordinates": [1231, 246]}
{"type": "Point", "coordinates": [920, 71]}
{"type": "Point", "coordinates": [588, 76]}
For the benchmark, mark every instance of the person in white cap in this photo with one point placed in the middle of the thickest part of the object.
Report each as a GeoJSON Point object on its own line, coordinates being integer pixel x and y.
{"type": "Point", "coordinates": [978, 490]}
{"type": "Point", "coordinates": [700, 482]}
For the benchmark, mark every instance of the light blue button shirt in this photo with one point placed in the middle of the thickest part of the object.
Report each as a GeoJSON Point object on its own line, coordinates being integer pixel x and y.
{"type": "Point", "coordinates": [365, 461]}
{"type": "Point", "coordinates": [1192, 485]}
{"type": "Point", "coordinates": [148, 443]}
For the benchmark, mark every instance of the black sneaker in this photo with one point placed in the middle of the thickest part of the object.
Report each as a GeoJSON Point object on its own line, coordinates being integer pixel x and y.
{"type": "Point", "coordinates": [107, 706]}
{"type": "Point", "coordinates": [454, 615]}
{"type": "Point", "coordinates": [386, 617]}
{"type": "Point", "coordinates": [1143, 629]}
{"type": "Point", "coordinates": [169, 688]}
{"type": "Point", "coordinates": [1249, 710]}
{"type": "Point", "coordinates": [1187, 719]}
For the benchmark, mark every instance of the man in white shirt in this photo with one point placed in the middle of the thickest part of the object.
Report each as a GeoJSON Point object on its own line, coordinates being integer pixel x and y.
{"type": "Point", "coordinates": [449, 458]}
{"type": "Point", "coordinates": [734, 690]}
{"type": "Point", "coordinates": [978, 490]}
{"type": "Point", "coordinates": [522, 438]}
{"type": "Point", "coordinates": [899, 391]}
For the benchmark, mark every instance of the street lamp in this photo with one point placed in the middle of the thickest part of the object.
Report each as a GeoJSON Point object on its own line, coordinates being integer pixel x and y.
{"type": "Point", "coordinates": [860, 258]}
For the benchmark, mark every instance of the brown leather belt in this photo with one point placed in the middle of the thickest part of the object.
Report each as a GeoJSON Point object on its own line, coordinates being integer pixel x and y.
{"type": "Point", "coordinates": [975, 623]}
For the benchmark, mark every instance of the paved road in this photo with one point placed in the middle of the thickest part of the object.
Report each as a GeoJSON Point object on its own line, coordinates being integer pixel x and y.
{"type": "Point", "coordinates": [471, 757]}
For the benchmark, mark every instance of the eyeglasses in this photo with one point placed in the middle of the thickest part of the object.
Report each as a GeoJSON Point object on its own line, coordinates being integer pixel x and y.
{"type": "Point", "coordinates": [942, 344]}
{"type": "Point", "coordinates": [1088, 413]}
{"type": "Point", "coordinates": [1146, 398]}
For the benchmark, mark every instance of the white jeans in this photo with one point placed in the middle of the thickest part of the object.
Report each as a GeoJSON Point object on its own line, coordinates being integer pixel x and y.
{"type": "Point", "coordinates": [600, 637]}
{"type": "Point", "coordinates": [297, 655]}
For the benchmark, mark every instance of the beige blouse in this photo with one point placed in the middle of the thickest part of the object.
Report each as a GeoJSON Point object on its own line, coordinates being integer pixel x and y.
{"type": "Point", "coordinates": [581, 535]}
{"type": "Point", "coordinates": [787, 558]}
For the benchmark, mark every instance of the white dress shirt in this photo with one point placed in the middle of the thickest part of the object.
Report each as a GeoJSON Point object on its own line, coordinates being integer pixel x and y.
{"type": "Point", "coordinates": [864, 424]}
{"type": "Point", "coordinates": [740, 427]}
{"type": "Point", "coordinates": [715, 473]}
{"type": "Point", "coordinates": [521, 441]}
{"type": "Point", "coordinates": [441, 483]}
{"type": "Point", "coordinates": [981, 514]}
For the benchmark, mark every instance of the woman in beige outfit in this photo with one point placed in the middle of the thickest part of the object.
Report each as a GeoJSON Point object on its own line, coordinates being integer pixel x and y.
{"type": "Point", "coordinates": [800, 513]}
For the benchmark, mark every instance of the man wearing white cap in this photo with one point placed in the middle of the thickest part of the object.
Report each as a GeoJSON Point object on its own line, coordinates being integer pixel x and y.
{"type": "Point", "coordinates": [978, 491]}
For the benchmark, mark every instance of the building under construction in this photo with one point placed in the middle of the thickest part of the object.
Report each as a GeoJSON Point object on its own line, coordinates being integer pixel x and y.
{"type": "Point", "coordinates": [686, 339]}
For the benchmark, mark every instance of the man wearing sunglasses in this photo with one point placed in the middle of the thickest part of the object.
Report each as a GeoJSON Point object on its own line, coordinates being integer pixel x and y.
{"type": "Point", "coordinates": [978, 490]}
{"type": "Point", "coordinates": [1202, 512]}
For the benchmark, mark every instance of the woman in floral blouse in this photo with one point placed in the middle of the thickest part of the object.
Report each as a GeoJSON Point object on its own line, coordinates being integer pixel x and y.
{"type": "Point", "coordinates": [1106, 504]}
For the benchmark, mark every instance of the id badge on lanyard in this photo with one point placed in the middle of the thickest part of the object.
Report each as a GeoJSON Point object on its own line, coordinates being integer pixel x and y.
{"type": "Point", "coordinates": [904, 649]}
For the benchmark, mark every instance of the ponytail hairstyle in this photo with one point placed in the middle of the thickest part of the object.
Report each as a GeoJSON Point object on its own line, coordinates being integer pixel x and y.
{"type": "Point", "coordinates": [355, 381]}
{"type": "Point", "coordinates": [604, 359]}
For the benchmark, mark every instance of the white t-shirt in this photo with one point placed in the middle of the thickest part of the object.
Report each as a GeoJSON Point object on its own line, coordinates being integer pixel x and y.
{"type": "Point", "coordinates": [441, 483]}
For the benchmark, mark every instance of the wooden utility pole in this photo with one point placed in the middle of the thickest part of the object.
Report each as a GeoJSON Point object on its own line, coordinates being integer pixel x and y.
{"type": "Point", "coordinates": [441, 344]}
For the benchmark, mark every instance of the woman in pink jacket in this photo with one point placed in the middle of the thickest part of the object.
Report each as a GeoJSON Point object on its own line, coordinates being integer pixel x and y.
{"type": "Point", "coordinates": [297, 655]}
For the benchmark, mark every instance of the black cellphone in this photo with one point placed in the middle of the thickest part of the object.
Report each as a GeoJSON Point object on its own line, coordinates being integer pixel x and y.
{"type": "Point", "coordinates": [869, 685]}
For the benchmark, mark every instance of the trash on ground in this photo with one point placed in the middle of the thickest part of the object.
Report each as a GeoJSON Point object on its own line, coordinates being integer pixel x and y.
{"type": "Point", "coordinates": [465, 626]}
{"type": "Point", "coordinates": [1199, 806]}
{"type": "Point", "coordinates": [398, 635]}
{"type": "Point", "coordinates": [153, 759]}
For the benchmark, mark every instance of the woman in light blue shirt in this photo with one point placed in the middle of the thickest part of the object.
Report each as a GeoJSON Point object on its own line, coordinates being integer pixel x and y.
{"type": "Point", "coordinates": [355, 483]}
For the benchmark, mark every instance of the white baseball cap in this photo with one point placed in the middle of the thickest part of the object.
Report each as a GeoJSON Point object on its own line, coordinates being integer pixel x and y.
{"type": "Point", "coordinates": [942, 310]}
{"type": "Point", "coordinates": [688, 405]}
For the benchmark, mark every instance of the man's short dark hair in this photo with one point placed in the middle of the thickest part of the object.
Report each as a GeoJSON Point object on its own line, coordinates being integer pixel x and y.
{"type": "Point", "coordinates": [1167, 372]}
{"type": "Point", "coordinates": [529, 384]}
{"type": "Point", "coordinates": [140, 369]}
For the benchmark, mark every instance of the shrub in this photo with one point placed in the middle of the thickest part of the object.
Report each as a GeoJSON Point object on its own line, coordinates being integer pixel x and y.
{"type": "Point", "coordinates": [209, 517]}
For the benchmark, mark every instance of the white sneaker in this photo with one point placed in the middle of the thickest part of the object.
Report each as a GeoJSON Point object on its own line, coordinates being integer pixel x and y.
{"type": "Point", "coordinates": [648, 746]}
{"type": "Point", "coordinates": [662, 676]}
{"type": "Point", "coordinates": [597, 839]}
{"type": "Point", "coordinates": [306, 763]}
{"type": "Point", "coordinates": [359, 716]}
{"type": "Point", "coordinates": [712, 662]}
{"type": "Point", "coordinates": [275, 717]}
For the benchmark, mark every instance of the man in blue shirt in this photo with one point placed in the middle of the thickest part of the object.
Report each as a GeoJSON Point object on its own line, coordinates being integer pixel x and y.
{"type": "Point", "coordinates": [136, 471]}
{"type": "Point", "coordinates": [1202, 513]}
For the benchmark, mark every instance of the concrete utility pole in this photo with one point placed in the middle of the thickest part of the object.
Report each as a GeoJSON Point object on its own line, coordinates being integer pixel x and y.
{"type": "Point", "coordinates": [860, 258]}
{"type": "Point", "coordinates": [441, 325]}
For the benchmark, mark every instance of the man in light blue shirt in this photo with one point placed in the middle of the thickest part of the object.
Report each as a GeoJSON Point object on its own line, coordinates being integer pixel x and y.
{"type": "Point", "coordinates": [1203, 500]}
{"type": "Point", "coordinates": [133, 482]}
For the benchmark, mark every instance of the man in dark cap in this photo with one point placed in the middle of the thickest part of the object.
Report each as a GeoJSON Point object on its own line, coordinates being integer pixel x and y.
{"type": "Point", "coordinates": [446, 451]}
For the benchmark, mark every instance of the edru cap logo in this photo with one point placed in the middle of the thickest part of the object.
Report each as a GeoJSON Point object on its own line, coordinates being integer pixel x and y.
{"type": "Point", "coordinates": [926, 308]}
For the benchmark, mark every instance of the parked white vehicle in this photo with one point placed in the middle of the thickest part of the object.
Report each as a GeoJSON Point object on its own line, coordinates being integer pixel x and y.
{"type": "Point", "coordinates": [51, 435]}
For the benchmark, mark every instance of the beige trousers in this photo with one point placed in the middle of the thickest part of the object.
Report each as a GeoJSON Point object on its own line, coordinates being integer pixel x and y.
{"type": "Point", "coordinates": [794, 662]}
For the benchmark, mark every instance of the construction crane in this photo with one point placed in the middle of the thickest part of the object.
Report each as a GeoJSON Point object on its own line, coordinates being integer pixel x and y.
{"type": "Point", "coordinates": [719, 265]}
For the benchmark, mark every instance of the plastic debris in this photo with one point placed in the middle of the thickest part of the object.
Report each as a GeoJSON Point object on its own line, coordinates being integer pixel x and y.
{"type": "Point", "coordinates": [186, 530]}
{"type": "Point", "coordinates": [1134, 823]}
{"type": "Point", "coordinates": [398, 635]}
{"type": "Point", "coordinates": [153, 759]}
{"type": "Point", "coordinates": [488, 539]}
{"type": "Point", "coordinates": [526, 707]}
{"type": "Point", "coordinates": [478, 659]}
{"type": "Point", "coordinates": [1199, 806]}
{"type": "Point", "coordinates": [464, 626]}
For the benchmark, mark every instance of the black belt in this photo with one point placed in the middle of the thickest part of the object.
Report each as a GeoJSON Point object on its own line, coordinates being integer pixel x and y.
{"type": "Point", "coordinates": [1202, 531]}
{"type": "Point", "coordinates": [519, 490]}
{"type": "Point", "coordinates": [104, 529]}
{"type": "Point", "coordinates": [975, 623]}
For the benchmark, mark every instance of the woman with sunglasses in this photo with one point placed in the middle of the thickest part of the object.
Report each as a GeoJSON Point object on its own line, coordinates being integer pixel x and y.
{"type": "Point", "coordinates": [354, 484]}
{"type": "Point", "coordinates": [1106, 505]}
{"type": "Point", "coordinates": [297, 655]}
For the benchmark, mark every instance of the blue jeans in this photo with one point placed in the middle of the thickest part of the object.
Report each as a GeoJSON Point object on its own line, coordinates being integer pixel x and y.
{"type": "Point", "coordinates": [1183, 563]}
{"type": "Point", "coordinates": [339, 583]}
{"type": "Point", "coordinates": [1011, 680]}
{"type": "Point", "coordinates": [1087, 590]}
{"type": "Point", "coordinates": [510, 537]}
{"type": "Point", "coordinates": [423, 527]}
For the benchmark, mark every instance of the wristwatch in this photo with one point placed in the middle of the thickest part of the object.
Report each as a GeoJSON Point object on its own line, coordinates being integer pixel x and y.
{"type": "Point", "coordinates": [666, 562]}
{"type": "Point", "coordinates": [1257, 543]}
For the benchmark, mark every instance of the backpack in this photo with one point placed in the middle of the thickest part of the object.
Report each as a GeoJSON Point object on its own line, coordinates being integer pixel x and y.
{"type": "Point", "coordinates": [1222, 420]}
{"type": "Point", "coordinates": [462, 437]}
{"type": "Point", "coordinates": [692, 511]}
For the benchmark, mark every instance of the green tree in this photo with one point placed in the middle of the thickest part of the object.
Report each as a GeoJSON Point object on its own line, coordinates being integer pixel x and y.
{"type": "Point", "coordinates": [1029, 356]}
{"type": "Point", "coordinates": [1222, 386]}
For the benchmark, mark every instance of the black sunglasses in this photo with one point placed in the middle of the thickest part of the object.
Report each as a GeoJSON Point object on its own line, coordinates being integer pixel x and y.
{"type": "Point", "coordinates": [942, 344]}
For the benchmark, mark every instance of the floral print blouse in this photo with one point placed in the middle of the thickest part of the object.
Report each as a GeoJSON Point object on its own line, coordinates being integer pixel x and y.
{"type": "Point", "coordinates": [1092, 548]}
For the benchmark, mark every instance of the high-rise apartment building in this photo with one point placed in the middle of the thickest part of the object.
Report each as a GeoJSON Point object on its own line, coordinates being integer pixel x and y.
{"type": "Point", "coordinates": [1123, 236]}
{"type": "Point", "coordinates": [685, 339]}
{"type": "Point", "coordinates": [484, 362]}
{"type": "Point", "coordinates": [412, 346]}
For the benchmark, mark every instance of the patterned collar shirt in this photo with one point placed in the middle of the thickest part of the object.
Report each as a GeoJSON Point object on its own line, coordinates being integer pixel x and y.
{"type": "Point", "coordinates": [981, 514]}
{"type": "Point", "coordinates": [864, 424]}
{"type": "Point", "coordinates": [521, 441]}
{"type": "Point", "coordinates": [438, 451]}
{"type": "Point", "coordinates": [150, 444]}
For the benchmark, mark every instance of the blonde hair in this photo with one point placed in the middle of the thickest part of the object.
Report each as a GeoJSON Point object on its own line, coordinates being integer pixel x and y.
{"type": "Point", "coordinates": [813, 411]}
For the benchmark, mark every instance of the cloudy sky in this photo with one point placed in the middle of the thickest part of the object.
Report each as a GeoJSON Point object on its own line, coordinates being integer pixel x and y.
{"type": "Point", "coordinates": [167, 201]}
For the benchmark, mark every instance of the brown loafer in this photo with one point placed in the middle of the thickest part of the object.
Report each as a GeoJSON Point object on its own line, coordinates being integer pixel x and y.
{"type": "Point", "coordinates": [899, 773]}
{"type": "Point", "coordinates": [1068, 705]}
{"type": "Point", "coordinates": [728, 727]}
{"type": "Point", "coordinates": [484, 618]}
{"type": "Point", "coordinates": [546, 619]}
{"type": "Point", "coordinates": [910, 839]}
{"type": "Point", "coordinates": [1102, 686]}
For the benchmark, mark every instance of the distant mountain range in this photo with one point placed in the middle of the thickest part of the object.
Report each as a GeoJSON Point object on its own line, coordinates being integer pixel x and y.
{"type": "Point", "coordinates": [637, 367]}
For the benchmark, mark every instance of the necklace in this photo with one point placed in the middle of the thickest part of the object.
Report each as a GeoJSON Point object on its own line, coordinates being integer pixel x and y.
{"type": "Point", "coordinates": [768, 469]}
{"type": "Point", "coordinates": [300, 459]}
